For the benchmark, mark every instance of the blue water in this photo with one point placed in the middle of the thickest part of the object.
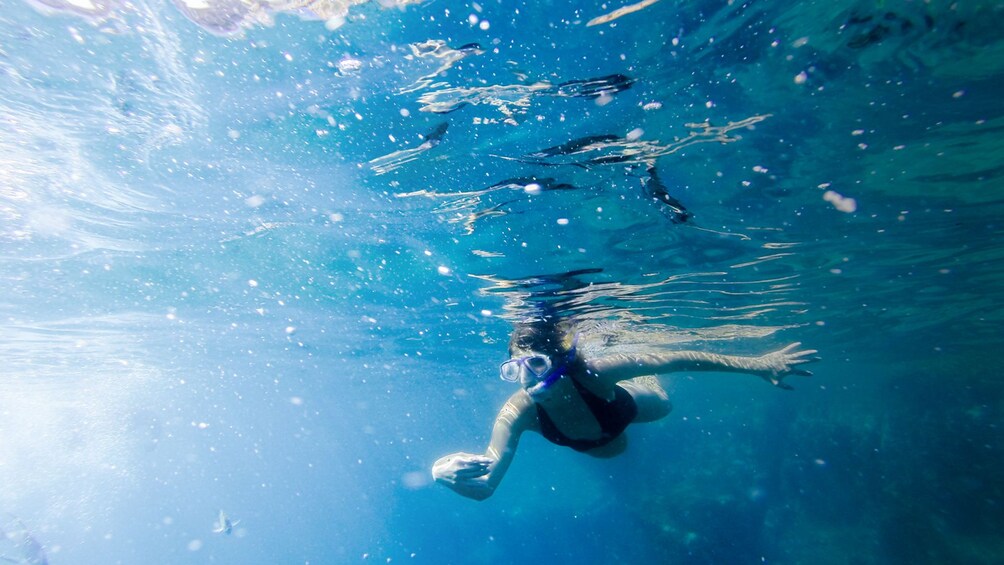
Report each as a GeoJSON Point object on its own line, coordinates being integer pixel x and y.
{"type": "Point", "coordinates": [237, 273]}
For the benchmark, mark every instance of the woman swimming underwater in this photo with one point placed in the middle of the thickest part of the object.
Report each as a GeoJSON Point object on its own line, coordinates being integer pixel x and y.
{"type": "Point", "coordinates": [585, 403]}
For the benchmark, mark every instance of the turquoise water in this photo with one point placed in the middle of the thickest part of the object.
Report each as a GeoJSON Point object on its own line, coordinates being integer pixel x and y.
{"type": "Point", "coordinates": [269, 265]}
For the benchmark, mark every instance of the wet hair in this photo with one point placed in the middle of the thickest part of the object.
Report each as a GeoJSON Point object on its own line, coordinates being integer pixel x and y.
{"type": "Point", "coordinates": [545, 336]}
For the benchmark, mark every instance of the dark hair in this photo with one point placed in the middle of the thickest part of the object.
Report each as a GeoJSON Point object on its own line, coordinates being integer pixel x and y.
{"type": "Point", "coordinates": [545, 336]}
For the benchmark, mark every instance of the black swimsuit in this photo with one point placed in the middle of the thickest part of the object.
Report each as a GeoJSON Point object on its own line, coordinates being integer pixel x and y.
{"type": "Point", "coordinates": [612, 415]}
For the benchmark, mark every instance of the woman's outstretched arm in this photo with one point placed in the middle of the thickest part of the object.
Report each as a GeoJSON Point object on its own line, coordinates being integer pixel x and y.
{"type": "Point", "coordinates": [477, 476]}
{"type": "Point", "coordinates": [772, 367]}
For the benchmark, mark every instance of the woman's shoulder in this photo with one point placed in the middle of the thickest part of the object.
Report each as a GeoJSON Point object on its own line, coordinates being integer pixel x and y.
{"type": "Point", "coordinates": [520, 400]}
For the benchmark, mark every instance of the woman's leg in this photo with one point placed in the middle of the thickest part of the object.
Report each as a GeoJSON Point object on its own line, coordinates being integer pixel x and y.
{"type": "Point", "coordinates": [650, 398]}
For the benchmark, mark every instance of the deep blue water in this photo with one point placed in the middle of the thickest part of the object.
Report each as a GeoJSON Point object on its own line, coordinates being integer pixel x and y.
{"type": "Point", "coordinates": [272, 270]}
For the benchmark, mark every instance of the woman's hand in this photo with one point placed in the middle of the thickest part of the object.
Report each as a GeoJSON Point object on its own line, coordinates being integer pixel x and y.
{"type": "Point", "coordinates": [466, 473]}
{"type": "Point", "coordinates": [779, 364]}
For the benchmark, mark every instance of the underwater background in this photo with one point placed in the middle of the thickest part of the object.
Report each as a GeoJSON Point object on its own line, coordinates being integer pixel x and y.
{"type": "Point", "coordinates": [264, 257]}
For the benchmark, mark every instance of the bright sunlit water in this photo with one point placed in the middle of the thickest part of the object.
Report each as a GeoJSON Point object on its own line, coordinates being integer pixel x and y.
{"type": "Point", "coordinates": [265, 258]}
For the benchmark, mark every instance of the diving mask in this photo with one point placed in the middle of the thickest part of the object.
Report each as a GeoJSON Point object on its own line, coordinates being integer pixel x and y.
{"type": "Point", "coordinates": [540, 366]}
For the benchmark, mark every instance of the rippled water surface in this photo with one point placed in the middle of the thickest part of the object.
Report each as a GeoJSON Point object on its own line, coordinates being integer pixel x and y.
{"type": "Point", "coordinates": [264, 257]}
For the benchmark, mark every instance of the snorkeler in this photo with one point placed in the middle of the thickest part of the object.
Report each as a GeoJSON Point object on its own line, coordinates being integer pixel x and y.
{"type": "Point", "coordinates": [584, 403]}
